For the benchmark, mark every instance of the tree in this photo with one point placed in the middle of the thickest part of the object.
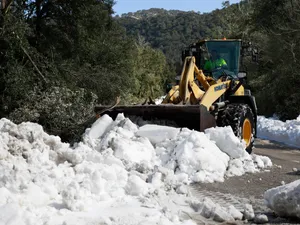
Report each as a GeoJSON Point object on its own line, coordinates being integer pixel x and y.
{"type": "Point", "coordinates": [59, 58]}
{"type": "Point", "coordinates": [278, 22]}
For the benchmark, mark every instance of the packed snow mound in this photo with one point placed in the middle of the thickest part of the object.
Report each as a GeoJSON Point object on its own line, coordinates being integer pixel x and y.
{"type": "Point", "coordinates": [227, 141]}
{"type": "Point", "coordinates": [156, 133]}
{"type": "Point", "coordinates": [285, 199]}
{"type": "Point", "coordinates": [208, 209]}
{"type": "Point", "coordinates": [128, 173]}
{"type": "Point", "coordinates": [286, 132]}
{"type": "Point", "coordinates": [247, 164]}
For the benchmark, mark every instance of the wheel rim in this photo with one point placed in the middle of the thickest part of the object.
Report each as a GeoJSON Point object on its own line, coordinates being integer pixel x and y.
{"type": "Point", "coordinates": [247, 131]}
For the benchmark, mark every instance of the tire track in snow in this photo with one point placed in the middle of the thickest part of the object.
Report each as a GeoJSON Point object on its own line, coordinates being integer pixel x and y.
{"type": "Point", "coordinates": [222, 199]}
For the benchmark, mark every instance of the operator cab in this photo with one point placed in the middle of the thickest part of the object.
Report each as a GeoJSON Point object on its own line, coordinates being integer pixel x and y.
{"type": "Point", "coordinates": [222, 56]}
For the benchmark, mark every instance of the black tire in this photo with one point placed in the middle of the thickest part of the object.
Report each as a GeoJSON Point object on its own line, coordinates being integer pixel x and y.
{"type": "Point", "coordinates": [239, 116]}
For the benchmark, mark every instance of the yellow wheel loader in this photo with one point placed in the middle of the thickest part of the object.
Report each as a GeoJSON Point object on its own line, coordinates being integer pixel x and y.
{"type": "Point", "coordinates": [207, 96]}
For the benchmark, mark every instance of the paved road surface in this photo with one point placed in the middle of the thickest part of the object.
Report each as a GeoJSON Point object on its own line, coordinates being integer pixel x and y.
{"type": "Point", "coordinates": [250, 188]}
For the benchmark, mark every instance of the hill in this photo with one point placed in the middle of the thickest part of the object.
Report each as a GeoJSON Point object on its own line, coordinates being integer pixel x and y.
{"type": "Point", "coordinates": [173, 30]}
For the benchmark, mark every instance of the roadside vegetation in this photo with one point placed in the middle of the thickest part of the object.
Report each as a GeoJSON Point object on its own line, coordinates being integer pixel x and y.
{"type": "Point", "coordinates": [60, 58]}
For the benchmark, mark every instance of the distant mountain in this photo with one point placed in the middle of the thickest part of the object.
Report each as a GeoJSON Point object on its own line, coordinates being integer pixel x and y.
{"type": "Point", "coordinates": [173, 30]}
{"type": "Point", "coordinates": [142, 14]}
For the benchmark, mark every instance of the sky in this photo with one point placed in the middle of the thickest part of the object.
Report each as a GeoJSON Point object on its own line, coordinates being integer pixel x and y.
{"type": "Point", "coordinates": [125, 6]}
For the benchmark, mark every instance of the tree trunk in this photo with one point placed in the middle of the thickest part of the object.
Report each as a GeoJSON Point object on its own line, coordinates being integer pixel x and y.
{"type": "Point", "coordinates": [3, 9]}
{"type": "Point", "coordinates": [38, 17]}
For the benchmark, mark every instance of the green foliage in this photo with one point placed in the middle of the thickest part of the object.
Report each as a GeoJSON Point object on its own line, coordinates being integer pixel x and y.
{"type": "Point", "coordinates": [17, 73]}
{"type": "Point", "coordinates": [60, 58]}
{"type": "Point", "coordinates": [278, 23]}
{"type": "Point", "coordinates": [60, 110]}
{"type": "Point", "coordinates": [150, 71]}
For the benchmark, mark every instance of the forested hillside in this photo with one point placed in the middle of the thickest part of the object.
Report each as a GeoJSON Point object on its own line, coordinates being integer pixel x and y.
{"type": "Point", "coordinates": [171, 31]}
{"type": "Point", "coordinates": [60, 58]}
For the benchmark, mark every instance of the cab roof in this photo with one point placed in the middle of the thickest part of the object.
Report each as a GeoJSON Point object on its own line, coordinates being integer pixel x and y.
{"type": "Point", "coordinates": [223, 39]}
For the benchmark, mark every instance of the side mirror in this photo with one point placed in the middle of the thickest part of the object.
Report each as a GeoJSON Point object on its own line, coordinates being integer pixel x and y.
{"type": "Point", "coordinates": [177, 79]}
{"type": "Point", "coordinates": [242, 75]}
{"type": "Point", "coordinates": [168, 87]}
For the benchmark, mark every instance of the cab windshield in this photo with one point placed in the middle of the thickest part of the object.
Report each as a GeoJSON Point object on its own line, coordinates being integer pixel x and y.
{"type": "Point", "coordinates": [220, 57]}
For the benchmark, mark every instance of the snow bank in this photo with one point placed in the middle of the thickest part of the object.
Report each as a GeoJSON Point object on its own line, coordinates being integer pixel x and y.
{"type": "Point", "coordinates": [286, 132]}
{"type": "Point", "coordinates": [285, 199]}
{"type": "Point", "coordinates": [247, 164]}
{"type": "Point", "coordinates": [227, 141]}
{"type": "Point", "coordinates": [119, 174]}
{"type": "Point", "coordinates": [156, 133]}
{"type": "Point", "coordinates": [208, 209]}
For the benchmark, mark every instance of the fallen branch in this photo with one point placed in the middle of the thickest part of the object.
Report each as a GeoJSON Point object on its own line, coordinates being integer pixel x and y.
{"type": "Point", "coordinates": [33, 63]}
{"type": "Point", "coordinates": [35, 66]}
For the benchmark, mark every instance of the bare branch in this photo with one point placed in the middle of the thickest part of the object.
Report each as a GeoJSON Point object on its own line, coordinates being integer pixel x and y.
{"type": "Point", "coordinates": [35, 66]}
{"type": "Point", "coordinates": [33, 63]}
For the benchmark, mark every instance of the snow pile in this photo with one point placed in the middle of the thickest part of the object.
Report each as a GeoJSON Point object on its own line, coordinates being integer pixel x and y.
{"type": "Point", "coordinates": [119, 174]}
{"type": "Point", "coordinates": [261, 218]}
{"type": "Point", "coordinates": [285, 199]}
{"type": "Point", "coordinates": [248, 212]}
{"type": "Point", "coordinates": [286, 132]}
{"type": "Point", "coordinates": [227, 141]}
{"type": "Point", "coordinates": [208, 209]}
{"type": "Point", "coordinates": [247, 164]}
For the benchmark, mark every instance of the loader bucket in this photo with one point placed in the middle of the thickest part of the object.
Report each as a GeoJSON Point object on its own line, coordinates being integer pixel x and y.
{"type": "Point", "coordinates": [206, 119]}
{"type": "Point", "coordinates": [191, 116]}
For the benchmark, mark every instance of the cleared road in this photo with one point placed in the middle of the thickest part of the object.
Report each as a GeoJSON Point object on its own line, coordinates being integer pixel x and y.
{"type": "Point", "coordinates": [250, 188]}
